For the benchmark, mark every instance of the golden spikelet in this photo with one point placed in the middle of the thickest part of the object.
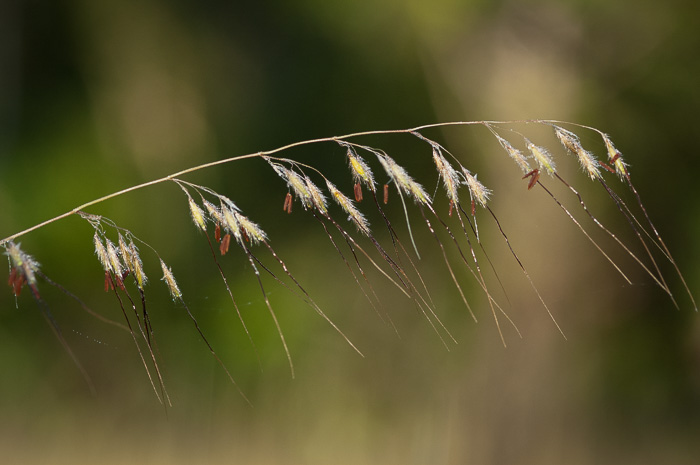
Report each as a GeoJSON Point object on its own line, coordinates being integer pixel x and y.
{"type": "Point", "coordinates": [450, 177]}
{"type": "Point", "coordinates": [515, 154]}
{"type": "Point", "coordinates": [615, 157]}
{"type": "Point", "coordinates": [197, 214]}
{"type": "Point", "coordinates": [478, 192]}
{"type": "Point", "coordinates": [361, 171]}
{"type": "Point", "coordinates": [317, 198]}
{"type": "Point", "coordinates": [402, 179]}
{"type": "Point", "coordinates": [347, 205]}
{"type": "Point", "coordinates": [101, 252]}
{"type": "Point", "coordinates": [170, 281]}
{"type": "Point", "coordinates": [214, 212]}
{"type": "Point", "coordinates": [542, 157]}
{"type": "Point", "coordinates": [572, 143]}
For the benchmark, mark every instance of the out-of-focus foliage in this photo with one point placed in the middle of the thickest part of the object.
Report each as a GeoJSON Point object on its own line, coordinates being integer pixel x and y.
{"type": "Point", "coordinates": [99, 95]}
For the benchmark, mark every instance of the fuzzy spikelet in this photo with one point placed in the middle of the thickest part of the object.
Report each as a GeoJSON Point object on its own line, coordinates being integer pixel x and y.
{"type": "Point", "coordinates": [361, 171]}
{"type": "Point", "coordinates": [542, 157]}
{"type": "Point", "coordinates": [252, 230]}
{"type": "Point", "coordinates": [231, 222]}
{"type": "Point", "coordinates": [403, 180]}
{"type": "Point", "coordinates": [101, 252]}
{"type": "Point", "coordinates": [23, 263]}
{"type": "Point", "coordinates": [450, 177]}
{"type": "Point", "coordinates": [317, 197]}
{"type": "Point", "coordinates": [615, 157]}
{"type": "Point", "coordinates": [170, 281]}
{"type": "Point", "coordinates": [115, 263]}
{"type": "Point", "coordinates": [137, 265]}
{"type": "Point", "coordinates": [515, 154]}
{"type": "Point", "coordinates": [197, 215]}
{"type": "Point", "coordinates": [132, 259]}
{"type": "Point", "coordinates": [346, 204]}
{"type": "Point", "coordinates": [478, 192]}
{"type": "Point", "coordinates": [572, 143]}
{"type": "Point", "coordinates": [295, 183]}
{"type": "Point", "coordinates": [214, 212]}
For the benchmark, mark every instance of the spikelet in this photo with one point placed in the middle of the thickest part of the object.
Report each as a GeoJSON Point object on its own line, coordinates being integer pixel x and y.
{"type": "Point", "coordinates": [231, 222]}
{"type": "Point", "coordinates": [450, 177]}
{"type": "Point", "coordinates": [542, 157]}
{"type": "Point", "coordinates": [317, 198]}
{"type": "Point", "coordinates": [361, 171]}
{"type": "Point", "coordinates": [214, 212]}
{"type": "Point", "coordinates": [115, 263]}
{"type": "Point", "coordinates": [346, 204]}
{"type": "Point", "coordinates": [572, 143]}
{"type": "Point", "coordinates": [477, 191]}
{"type": "Point", "coordinates": [23, 263]}
{"type": "Point", "coordinates": [138, 265]}
{"type": "Point", "coordinates": [132, 260]}
{"type": "Point", "coordinates": [170, 281]}
{"type": "Point", "coordinates": [252, 230]}
{"type": "Point", "coordinates": [515, 154]}
{"type": "Point", "coordinates": [197, 214]}
{"type": "Point", "coordinates": [403, 180]}
{"type": "Point", "coordinates": [615, 157]}
{"type": "Point", "coordinates": [295, 183]}
{"type": "Point", "coordinates": [101, 252]}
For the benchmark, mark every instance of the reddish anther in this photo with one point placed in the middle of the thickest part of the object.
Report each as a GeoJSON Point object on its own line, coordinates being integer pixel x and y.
{"type": "Point", "coordinates": [534, 176]}
{"type": "Point", "coordinates": [217, 233]}
{"type": "Point", "coordinates": [386, 194]}
{"type": "Point", "coordinates": [223, 248]}
{"type": "Point", "coordinates": [288, 203]}
{"type": "Point", "coordinates": [358, 192]}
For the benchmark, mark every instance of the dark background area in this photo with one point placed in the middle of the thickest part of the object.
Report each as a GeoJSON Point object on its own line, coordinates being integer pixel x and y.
{"type": "Point", "coordinates": [99, 96]}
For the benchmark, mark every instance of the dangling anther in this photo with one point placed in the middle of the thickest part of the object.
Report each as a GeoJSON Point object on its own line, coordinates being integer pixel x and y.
{"type": "Point", "coordinates": [534, 176]}
{"type": "Point", "coordinates": [358, 192]}
{"type": "Point", "coordinates": [386, 194]}
{"type": "Point", "coordinates": [223, 247]}
{"type": "Point", "coordinates": [288, 203]}
{"type": "Point", "coordinates": [217, 233]}
{"type": "Point", "coordinates": [452, 204]}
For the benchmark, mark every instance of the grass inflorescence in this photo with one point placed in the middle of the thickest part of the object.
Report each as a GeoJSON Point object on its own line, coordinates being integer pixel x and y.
{"type": "Point", "coordinates": [373, 178]}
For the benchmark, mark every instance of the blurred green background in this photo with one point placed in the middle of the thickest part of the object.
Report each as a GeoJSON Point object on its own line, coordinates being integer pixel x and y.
{"type": "Point", "coordinates": [98, 96]}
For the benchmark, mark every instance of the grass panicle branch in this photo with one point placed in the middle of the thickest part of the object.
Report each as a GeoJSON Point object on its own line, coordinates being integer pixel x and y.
{"type": "Point", "coordinates": [453, 224]}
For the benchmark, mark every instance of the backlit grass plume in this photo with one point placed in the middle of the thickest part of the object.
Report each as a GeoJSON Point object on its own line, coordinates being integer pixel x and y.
{"type": "Point", "coordinates": [451, 207]}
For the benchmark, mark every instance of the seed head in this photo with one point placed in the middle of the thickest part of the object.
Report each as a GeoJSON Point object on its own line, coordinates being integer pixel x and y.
{"type": "Point", "coordinates": [403, 180]}
{"type": "Point", "coordinates": [347, 205]}
{"type": "Point", "coordinates": [477, 191]}
{"type": "Point", "coordinates": [360, 170]}
{"type": "Point", "coordinates": [572, 143]}
{"type": "Point", "coordinates": [542, 157]}
{"type": "Point", "coordinates": [450, 177]}
{"type": "Point", "coordinates": [170, 281]}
